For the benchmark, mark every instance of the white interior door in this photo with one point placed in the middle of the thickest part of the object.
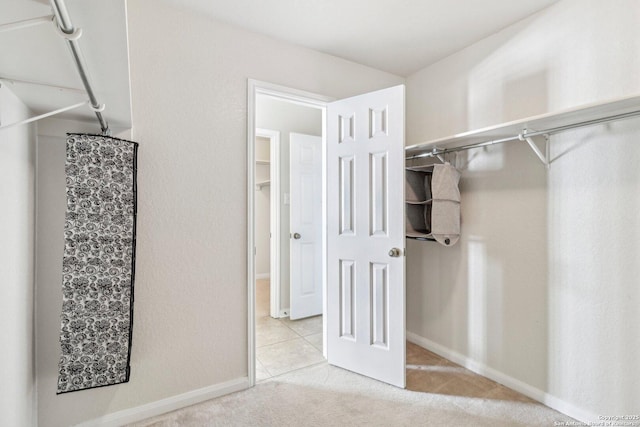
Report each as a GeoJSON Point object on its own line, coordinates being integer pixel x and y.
{"type": "Point", "coordinates": [365, 240]}
{"type": "Point", "coordinates": [306, 225]}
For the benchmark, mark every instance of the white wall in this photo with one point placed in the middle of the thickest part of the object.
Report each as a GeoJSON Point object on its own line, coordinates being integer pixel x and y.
{"type": "Point", "coordinates": [287, 118]}
{"type": "Point", "coordinates": [542, 284]}
{"type": "Point", "coordinates": [189, 93]}
{"type": "Point", "coordinates": [17, 197]}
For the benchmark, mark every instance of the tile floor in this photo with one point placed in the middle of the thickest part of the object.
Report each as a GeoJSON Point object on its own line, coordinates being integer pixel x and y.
{"type": "Point", "coordinates": [429, 373]}
{"type": "Point", "coordinates": [284, 345]}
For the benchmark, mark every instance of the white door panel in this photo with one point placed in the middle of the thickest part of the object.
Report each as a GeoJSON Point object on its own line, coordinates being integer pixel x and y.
{"type": "Point", "coordinates": [365, 215]}
{"type": "Point", "coordinates": [306, 225]}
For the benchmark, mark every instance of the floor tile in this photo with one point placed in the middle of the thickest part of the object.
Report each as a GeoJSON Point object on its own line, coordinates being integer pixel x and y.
{"type": "Point", "coordinates": [315, 340]}
{"type": "Point", "coordinates": [304, 327]}
{"type": "Point", "coordinates": [288, 356]}
{"type": "Point", "coordinates": [261, 372]}
{"type": "Point", "coordinates": [417, 355]}
{"type": "Point", "coordinates": [428, 380]}
{"type": "Point", "coordinates": [467, 384]}
{"type": "Point", "coordinates": [270, 331]}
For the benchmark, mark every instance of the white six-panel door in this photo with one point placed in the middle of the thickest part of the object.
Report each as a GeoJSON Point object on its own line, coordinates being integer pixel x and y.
{"type": "Point", "coordinates": [306, 225]}
{"type": "Point", "coordinates": [365, 235]}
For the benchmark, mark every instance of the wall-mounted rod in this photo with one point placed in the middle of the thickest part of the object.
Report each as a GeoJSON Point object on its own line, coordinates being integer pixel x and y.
{"type": "Point", "coordinates": [25, 23]}
{"type": "Point", "coordinates": [42, 116]}
{"type": "Point", "coordinates": [440, 151]}
{"type": "Point", "coordinates": [10, 80]}
{"type": "Point", "coordinates": [525, 134]}
{"type": "Point", "coordinates": [66, 27]}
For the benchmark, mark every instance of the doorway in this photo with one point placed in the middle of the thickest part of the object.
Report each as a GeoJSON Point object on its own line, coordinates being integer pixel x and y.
{"type": "Point", "coordinates": [278, 118]}
{"type": "Point", "coordinates": [362, 239]}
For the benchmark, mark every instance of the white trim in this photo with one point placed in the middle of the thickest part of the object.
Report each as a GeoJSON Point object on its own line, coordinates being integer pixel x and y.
{"type": "Point", "coordinates": [169, 404]}
{"type": "Point", "coordinates": [480, 368]}
{"type": "Point", "coordinates": [293, 95]}
{"type": "Point", "coordinates": [251, 233]}
{"type": "Point", "coordinates": [274, 220]}
{"type": "Point", "coordinates": [263, 276]}
{"type": "Point", "coordinates": [325, 255]}
{"type": "Point", "coordinates": [255, 87]}
{"type": "Point", "coordinates": [36, 193]}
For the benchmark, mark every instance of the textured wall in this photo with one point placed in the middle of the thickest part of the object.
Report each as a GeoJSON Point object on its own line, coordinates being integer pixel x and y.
{"type": "Point", "coordinates": [286, 118]}
{"type": "Point", "coordinates": [543, 282]}
{"type": "Point", "coordinates": [17, 196]}
{"type": "Point", "coordinates": [189, 93]}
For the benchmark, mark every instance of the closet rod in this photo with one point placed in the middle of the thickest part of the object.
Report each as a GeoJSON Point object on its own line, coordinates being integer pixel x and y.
{"type": "Point", "coordinates": [25, 23]}
{"type": "Point", "coordinates": [10, 80]}
{"type": "Point", "coordinates": [42, 116]}
{"type": "Point", "coordinates": [71, 34]}
{"type": "Point", "coordinates": [521, 136]}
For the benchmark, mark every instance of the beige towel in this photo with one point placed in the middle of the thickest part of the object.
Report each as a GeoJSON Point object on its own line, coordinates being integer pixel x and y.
{"type": "Point", "coordinates": [445, 211]}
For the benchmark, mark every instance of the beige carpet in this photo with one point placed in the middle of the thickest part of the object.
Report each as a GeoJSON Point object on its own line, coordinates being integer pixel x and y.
{"type": "Point", "coordinates": [323, 395]}
{"type": "Point", "coordinates": [439, 393]}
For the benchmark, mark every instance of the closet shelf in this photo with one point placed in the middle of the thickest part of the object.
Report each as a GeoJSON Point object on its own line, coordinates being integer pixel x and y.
{"type": "Point", "coordinates": [544, 124]}
{"type": "Point", "coordinates": [263, 162]}
{"type": "Point", "coordinates": [259, 185]}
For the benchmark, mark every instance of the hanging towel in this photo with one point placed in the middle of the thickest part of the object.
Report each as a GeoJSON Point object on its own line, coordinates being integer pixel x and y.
{"type": "Point", "coordinates": [445, 209]}
{"type": "Point", "coordinates": [98, 262]}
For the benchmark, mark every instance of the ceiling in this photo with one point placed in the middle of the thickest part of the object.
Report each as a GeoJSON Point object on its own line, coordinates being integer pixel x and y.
{"type": "Point", "coordinates": [39, 54]}
{"type": "Point", "coordinates": [398, 36]}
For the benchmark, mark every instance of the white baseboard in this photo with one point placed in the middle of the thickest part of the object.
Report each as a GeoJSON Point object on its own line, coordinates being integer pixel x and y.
{"type": "Point", "coordinates": [262, 276]}
{"type": "Point", "coordinates": [169, 404]}
{"type": "Point", "coordinates": [504, 379]}
{"type": "Point", "coordinates": [284, 312]}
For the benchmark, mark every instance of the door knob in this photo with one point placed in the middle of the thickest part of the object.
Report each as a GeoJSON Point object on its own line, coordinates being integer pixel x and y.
{"type": "Point", "coordinates": [395, 252]}
{"type": "Point", "coordinates": [296, 236]}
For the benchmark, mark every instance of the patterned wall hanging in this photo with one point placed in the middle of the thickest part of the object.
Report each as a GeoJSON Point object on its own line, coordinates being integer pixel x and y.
{"type": "Point", "coordinates": [98, 263]}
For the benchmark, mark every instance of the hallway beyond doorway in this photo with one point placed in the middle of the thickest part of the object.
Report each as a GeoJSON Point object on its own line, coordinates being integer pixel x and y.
{"type": "Point", "coordinates": [284, 345]}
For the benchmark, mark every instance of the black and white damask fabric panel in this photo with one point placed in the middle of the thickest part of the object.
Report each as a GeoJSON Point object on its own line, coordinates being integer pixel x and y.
{"type": "Point", "coordinates": [98, 263]}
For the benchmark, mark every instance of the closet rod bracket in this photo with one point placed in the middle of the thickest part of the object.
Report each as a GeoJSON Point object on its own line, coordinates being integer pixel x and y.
{"type": "Point", "coordinates": [74, 35]}
{"type": "Point", "coordinates": [436, 152]}
{"type": "Point", "coordinates": [545, 157]}
{"type": "Point", "coordinates": [71, 34]}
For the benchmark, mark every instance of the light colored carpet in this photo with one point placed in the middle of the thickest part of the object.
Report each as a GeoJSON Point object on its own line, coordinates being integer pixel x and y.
{"type": "Point", "coordinates": [323, 395]}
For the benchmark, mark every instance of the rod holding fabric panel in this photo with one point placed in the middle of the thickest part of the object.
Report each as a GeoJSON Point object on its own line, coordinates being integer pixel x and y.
{"type": "Point", "coordinates": [98, 265]}
{"type": "Point", "coordinates": [71, 34]}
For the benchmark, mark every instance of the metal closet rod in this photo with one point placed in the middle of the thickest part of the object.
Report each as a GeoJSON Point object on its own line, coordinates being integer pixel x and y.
{"type": "Point", "coordinates": [25, 23]}
{"type": "Point", "coordinates": [71, 34]}
{"type": "Point", "coordinates": [524, 134]}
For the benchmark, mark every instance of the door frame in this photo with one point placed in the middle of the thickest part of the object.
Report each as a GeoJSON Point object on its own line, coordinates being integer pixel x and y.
{"type": "Point", "coordinates": [256, 87]}
{"type": "Point", "coordinates": [274, 217]}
